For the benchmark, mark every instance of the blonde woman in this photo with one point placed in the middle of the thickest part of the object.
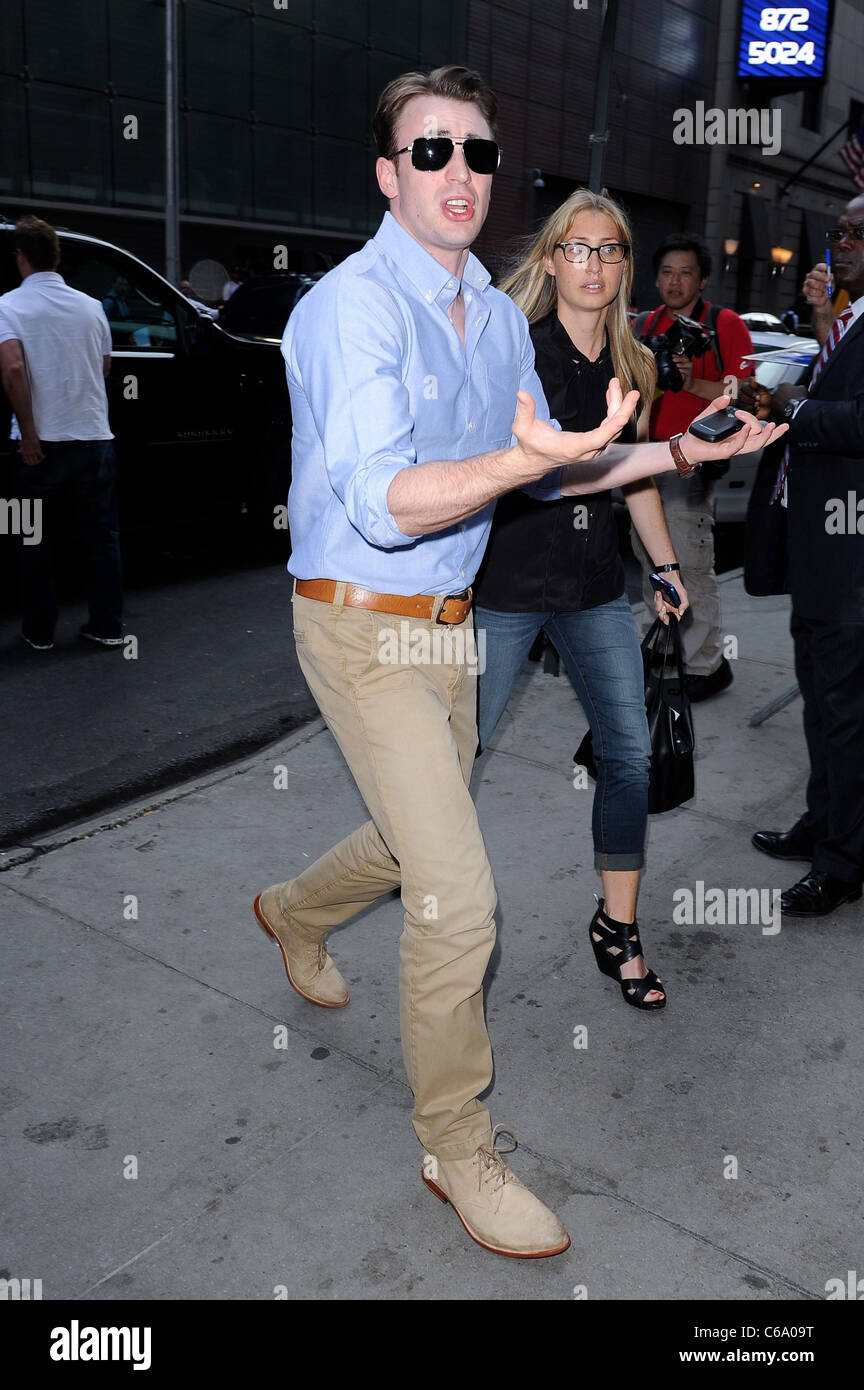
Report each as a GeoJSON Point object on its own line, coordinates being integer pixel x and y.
{"type": "Point", "coordinates": [555, 566]}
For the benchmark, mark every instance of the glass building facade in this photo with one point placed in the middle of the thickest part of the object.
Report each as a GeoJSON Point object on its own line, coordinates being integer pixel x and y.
{"type": "Point", "coordinates": [275, 104]}
{"type": "Point", "coordinates": [276, 99]}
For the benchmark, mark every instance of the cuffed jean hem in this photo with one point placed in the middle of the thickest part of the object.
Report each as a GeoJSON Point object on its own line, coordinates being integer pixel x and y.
{"type": "Point", "coordinates": [621, 862]}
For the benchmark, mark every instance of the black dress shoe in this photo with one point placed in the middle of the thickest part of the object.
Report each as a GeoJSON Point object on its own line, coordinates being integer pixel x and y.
{"type": "Point", "coordinates": [783, 845]}
{"type": "Point", "coordinates": [703, 687]}
{"type": "Point", "coordinates": [818, 894]}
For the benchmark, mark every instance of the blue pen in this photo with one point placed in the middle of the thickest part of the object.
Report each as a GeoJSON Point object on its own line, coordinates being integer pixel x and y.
{"type": "Point", "coordinates": [830, 276]}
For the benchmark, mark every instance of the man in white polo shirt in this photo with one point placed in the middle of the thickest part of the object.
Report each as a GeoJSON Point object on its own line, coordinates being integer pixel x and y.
{"type": "Point", "coordinates": [55, 352]}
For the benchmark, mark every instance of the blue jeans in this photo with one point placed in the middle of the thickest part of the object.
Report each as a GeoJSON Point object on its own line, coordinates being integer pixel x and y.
{"type": "Point", "coordinates": [600, 650]}
{"type": "Point", "coordinates": [76, 481]}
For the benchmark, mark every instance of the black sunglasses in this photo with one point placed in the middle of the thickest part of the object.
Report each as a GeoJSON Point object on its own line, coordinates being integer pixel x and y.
{"type": "Point", "coordinates": [429, 154]}
{"type": "Point", "coordinates": [839, 233]}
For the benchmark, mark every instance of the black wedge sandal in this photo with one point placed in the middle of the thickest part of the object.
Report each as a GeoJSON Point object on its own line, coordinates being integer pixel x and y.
{"type": "Point", "coordinates": [616, 943]}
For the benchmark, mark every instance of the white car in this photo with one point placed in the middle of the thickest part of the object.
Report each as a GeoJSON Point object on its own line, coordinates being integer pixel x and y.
{"type": "Point", "coordinates": [780, 357]}
{"type": "Point", "coordinates": [761, 323]}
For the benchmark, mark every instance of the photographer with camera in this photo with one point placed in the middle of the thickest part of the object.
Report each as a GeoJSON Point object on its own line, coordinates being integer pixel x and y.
{"type": "Point", "coordinates": [697, 348]}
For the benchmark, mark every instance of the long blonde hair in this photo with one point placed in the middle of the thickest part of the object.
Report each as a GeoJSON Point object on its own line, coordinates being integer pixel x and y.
{"type": "Point", "coordinates": [531, 286]}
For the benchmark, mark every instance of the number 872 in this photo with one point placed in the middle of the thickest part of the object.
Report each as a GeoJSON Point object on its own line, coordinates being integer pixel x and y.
{"type": "Point", "coordinates": [774, 20]}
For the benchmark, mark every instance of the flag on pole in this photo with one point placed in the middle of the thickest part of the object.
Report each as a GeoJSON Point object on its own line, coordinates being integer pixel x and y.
{"type": "Point", "coordinates": [852, 155]}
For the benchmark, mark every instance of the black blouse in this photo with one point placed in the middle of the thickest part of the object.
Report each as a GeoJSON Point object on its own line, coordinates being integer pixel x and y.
{"type": "Point", "coordinates": [548, 556]}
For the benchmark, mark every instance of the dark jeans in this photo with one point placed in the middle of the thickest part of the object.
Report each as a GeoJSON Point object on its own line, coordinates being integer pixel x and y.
{"type": "Point", "coordinates": [77, 478]}
{"type": "Point", "coordinates": [600, 650]}
{"type": "Point", "coordinates": [829, 664]}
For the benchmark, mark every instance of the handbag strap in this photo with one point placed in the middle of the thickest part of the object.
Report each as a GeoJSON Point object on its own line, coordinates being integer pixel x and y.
{"type": "Point", "coordinates": [673, 639]}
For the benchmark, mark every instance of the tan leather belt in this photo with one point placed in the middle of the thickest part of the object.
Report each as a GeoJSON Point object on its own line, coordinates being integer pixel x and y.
{"type": "Point", "coordinates": [452, 609]}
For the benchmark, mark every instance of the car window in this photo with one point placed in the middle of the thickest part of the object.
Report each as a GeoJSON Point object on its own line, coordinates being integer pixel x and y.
{"type": "Point", "coordinates": [140, 310]}
{"type": "Point", "coordinates": [262, 308]}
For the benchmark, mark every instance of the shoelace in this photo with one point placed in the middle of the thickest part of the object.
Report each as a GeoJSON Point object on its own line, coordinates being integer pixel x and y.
{"type": "Point", "coordinates": [490, 1167]}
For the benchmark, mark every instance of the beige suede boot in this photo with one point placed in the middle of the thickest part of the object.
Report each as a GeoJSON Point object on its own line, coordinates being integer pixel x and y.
{"type": "Point", "coordinates": [493, 1206]}
{"type": "Point", "coordinates": [307, 965]}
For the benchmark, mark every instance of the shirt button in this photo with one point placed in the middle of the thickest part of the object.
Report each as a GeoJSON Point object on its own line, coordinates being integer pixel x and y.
{"type": "Point", "coordinates": [470, 424]}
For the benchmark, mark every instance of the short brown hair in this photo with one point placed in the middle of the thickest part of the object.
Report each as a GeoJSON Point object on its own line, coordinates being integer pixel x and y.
{"type": "Point", "coordinates": [459, 84]}
{"type": "Point", "coordinates": [38, 241]}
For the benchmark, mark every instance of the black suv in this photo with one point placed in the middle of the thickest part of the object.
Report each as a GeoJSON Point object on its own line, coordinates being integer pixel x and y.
{"type": "Point", "coordinates": [201, 413]}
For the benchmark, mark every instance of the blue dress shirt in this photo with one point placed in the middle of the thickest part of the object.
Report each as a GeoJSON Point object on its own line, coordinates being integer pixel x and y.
{"type": "Point", "coordinates": [379, 380]}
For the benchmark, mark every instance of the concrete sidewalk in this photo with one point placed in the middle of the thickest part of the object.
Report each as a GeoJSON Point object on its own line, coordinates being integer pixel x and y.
{"type": "Point", "coordinates": [272, 1140]}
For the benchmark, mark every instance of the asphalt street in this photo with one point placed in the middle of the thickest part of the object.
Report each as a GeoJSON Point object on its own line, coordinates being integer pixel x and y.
{"type": "Point", "coordinates": [215, 677]}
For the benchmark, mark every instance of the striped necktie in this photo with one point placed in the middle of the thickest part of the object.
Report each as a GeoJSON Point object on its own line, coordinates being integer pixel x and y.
{"type": "Point", "coordinates": [839, 328]}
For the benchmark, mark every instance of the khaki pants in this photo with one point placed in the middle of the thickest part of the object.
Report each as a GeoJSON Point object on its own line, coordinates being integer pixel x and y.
{"type": "Point", "coordinates": [689, 510]}
{"type": "Point", "coordinates": [408, 733]}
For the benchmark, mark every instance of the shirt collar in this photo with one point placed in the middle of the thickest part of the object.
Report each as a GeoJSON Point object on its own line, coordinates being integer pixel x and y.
{"type": "Point", "coordinates": [550, 327]}
{"type": "Point", "coordinates": [428, 276]}
{"type": "Point", "coordinates": [42, 277]}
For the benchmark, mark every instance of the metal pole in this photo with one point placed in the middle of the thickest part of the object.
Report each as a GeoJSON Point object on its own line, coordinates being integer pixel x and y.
{"type": "Point", "coordinates": [774, 706]}
{"type": "Point", "coordinates": [172, 160]}
{"type": "Point", "coordinates": [793, 178]}
{"type": "Point", "coordinates": [600, 133]}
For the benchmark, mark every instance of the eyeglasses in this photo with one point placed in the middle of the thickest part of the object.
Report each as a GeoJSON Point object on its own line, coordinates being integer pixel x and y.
{"type": "Point", "coordinates": [429, 154]}
{"type": "Point", "coordinates": [577, 253]}
{"type": "Point", "coordinates": [839, 233]}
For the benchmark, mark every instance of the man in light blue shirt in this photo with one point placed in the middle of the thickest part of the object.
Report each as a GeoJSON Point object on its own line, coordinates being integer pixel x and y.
{"type": "Point", "coordinates": [406, 369]}
{"type": "Point", "coordinates": [380, 381]}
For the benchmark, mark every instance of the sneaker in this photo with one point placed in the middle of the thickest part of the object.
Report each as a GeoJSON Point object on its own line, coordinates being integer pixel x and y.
{"type": "Point", "coordinates": [101, 641]}
{"type": "Point", "coordinates": [37, 646]}
{"type": "Point", "coordinates": [492, 1204]}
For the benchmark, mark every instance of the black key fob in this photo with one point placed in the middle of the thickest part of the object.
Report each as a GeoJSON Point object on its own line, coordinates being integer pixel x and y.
{"type": "Point", "coordinates": [717, 426]}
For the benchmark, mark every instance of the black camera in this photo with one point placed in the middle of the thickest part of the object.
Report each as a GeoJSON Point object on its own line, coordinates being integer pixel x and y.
{"type": "Point", "coordinates": [686, 338]}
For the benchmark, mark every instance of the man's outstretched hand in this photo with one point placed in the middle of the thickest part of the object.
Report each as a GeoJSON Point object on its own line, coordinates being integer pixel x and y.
{"type": "Point", "coordinates": [540, 447]}
{"type": "Point", "coordinates": [543, 447]}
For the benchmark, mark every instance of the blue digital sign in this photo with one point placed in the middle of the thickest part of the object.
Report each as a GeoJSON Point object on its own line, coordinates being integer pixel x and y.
{"type": "Point", "coordinates": [783, 41]}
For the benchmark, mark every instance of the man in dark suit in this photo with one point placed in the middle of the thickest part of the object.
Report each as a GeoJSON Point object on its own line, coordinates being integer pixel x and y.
{"type": "Point", "coordinates": [821, 481]}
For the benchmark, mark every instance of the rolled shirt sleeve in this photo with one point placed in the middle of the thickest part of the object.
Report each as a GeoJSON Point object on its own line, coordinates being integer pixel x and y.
{"type": "Point", "coordinates": [344, 353]}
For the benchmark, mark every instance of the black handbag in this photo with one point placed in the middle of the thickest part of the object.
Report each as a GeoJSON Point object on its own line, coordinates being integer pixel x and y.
{"type": "Point", "coordinates": [670, 722]}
